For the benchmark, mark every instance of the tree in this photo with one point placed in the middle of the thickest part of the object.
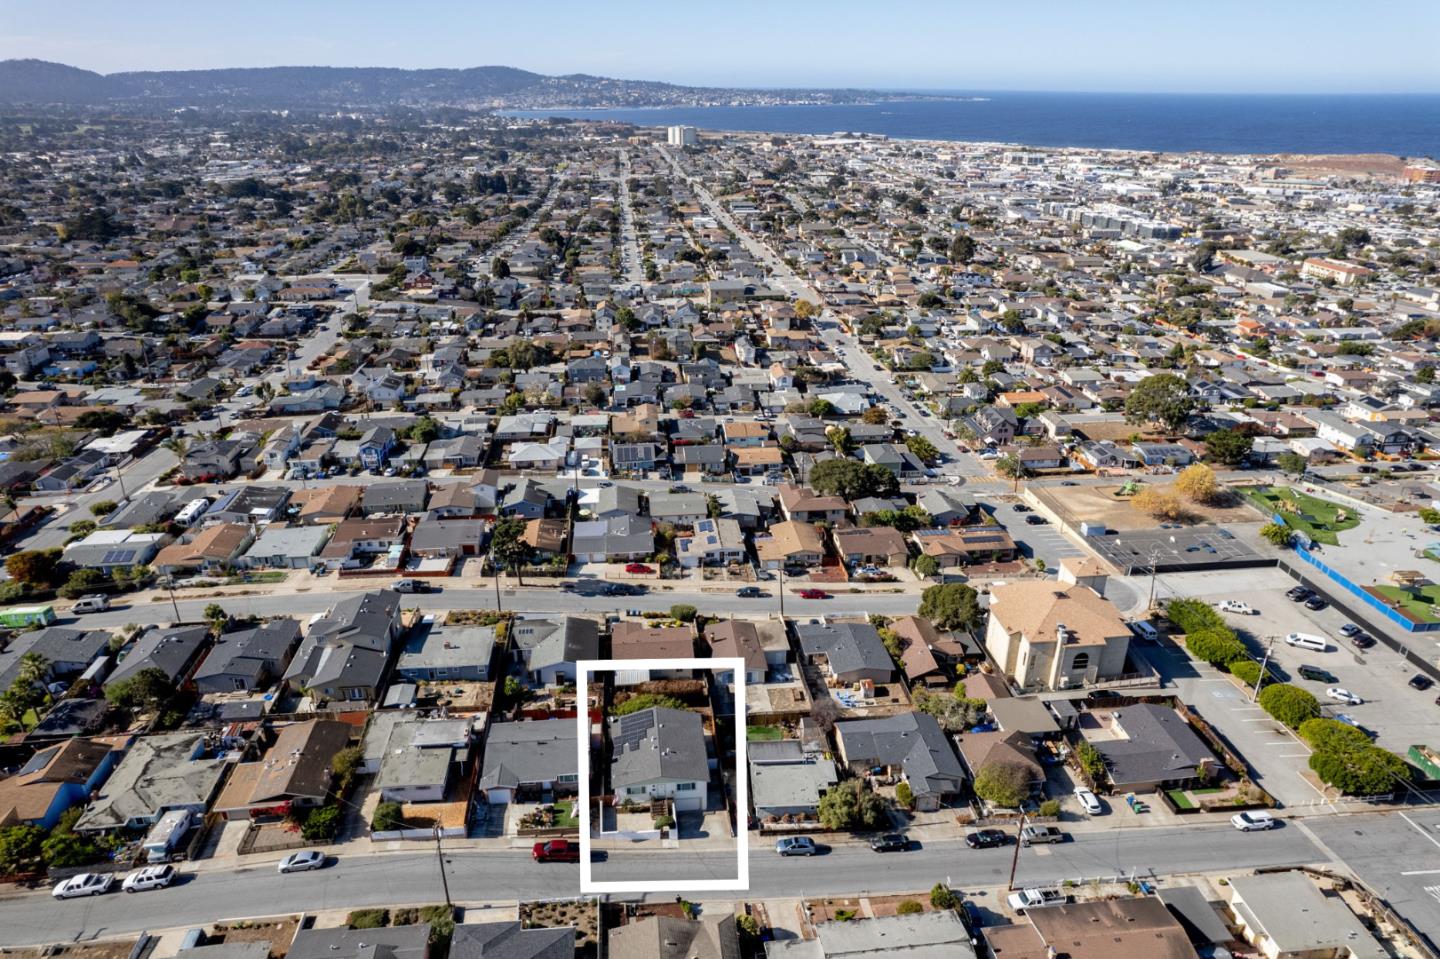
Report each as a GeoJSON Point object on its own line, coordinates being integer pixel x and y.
{"type": "Point", "coordinates": [805, 310]}
{"type": "Point", "coordinates": [941, 897]}
{"type": "Point", "coordinates": [508, 546]}
{"type": "Point", "coordinates": [68, 848]}
{"type": "Point", "coordinates": [852, 806]}
{"type": "Point", "coordinates": [1161, 504]}
{"type": "Point", "coordinates": [425, 430]}
{"type": "Point", "coordinates": [387, 817]}
{"type": "Point", "coordinates": [34, 567]}
{"type": "Point", "coordinates": [852, 480]}
{"type": "Point", "coordinates": [683, 612]}
{"type": "Point", "coordinates": [1164, 398]}
{"type": "Point", "coordinates": [962, 248]}
{"type": "Point", "coordinates": [20, 847]}
{"type": "Point", "coordinates": [875, 416]}
{"type": "Point", "coordinates": [82, 581]}
{"type": "Point", "coordinates": [1010, 467]}
{"type": "Point", "coordinates": [216, 616]}
{"type": "Point", "coordinates": [1289, 704]}
{"type": "Point", "coordinates": [820, 408]}
{"type": "Point", "coordinates": [1214, 646]}
{"type": "Point", "coordinates": [955, 713]}
{"type": "Point", "coordinates": [905, 796]}
{"type": "Point", "coordinates": [1228, 447]}
{"type": "Point", "coordinates": [147, 689]}
{"type": "Point", "coordinates": [321, 825]}
{"type": "Point", "coordinates": [1429, 516]}
{"type": "Point", "coordinates": [1198, 483]}
{"type": "Point", "coordinates": [345, 764]}
{"type": "Point", "coordinates": [1277, 534]}
{"type": "Point", "coordinates": [926, 565]}
{"type": "Point", "coordinates": [1291, 463]}
{"type": "Point", "coordinates": [923, 449]}
{"type": "Point", "coordinates": [1366, 771]}
{"type": "Point", "coordinates": [499, 268]}
{"type": "Point", "coordinates": [103, 508]}
{"type": "Point", "coordinates": [1331, 735]}
{"type": "Point", "coordinates": [839, 437]}
{"type": "Point", "coordinates": [950, 606]}
{"type": "Point", "coordinates": [1003, 783]}
{"type": "Point", "coordinates": [1246, 670]}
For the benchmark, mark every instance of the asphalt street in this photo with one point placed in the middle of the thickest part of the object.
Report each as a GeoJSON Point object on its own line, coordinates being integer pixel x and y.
{"type": "Point", "coordinates": [406, 878]}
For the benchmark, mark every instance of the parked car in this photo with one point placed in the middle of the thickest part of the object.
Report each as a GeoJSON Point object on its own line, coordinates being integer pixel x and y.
{"type": "Point", "coordinates": [1034, 898]}
{"type": "Point", "coordinates": [1349, 629]}
{"type": "Point", "coordinates": [1421, 682]}
{"type": "Point", "coordinates": [1342, 695]}
{"type": "Point", "coordinates": [1253, 821]}
{"type": "Point", "coordinates": [85, 884]}
{"type": "Point", "coordinates": [556, 850]}
{"type": "Point", "coordinates": [1020, 508]}
{"type": "Point", "coordinates": [1315, 603]}
{"type": "Point", "coordinates": [638, 568]}
{"type": "Point", "coordinates": [795, 846]}
{"type": "Point", "coordinates": [750, 592]}
{"type": "Point", "coordinates": [1033, 520]}
{"type": "Point", "coordinates": [1307, 641]}
{"type": "Point", "coordinates": [890, 842]}
{"type": "Point", "coordinates": [1362, 641]}
{"type": "Point", "coordinates": [1298, 594]}
{"type": "Point", "coordinates": [1040, 835]}
{"type": "Point", "coordinates": [302, 861]}
{"type": "Point", "coordinates": [1088, 801]}
{"type": "Point", "coordinates": [412, 586]}
{"type": "Point", "coordinates": [151, 877]}
{"type": "Point", "coordinates": [1236, 607]}
{"type": "Point", "coordinates": [813, 594]}
{"type": "Point", "coordinates": [986, 838]}
{"type": "Point", "coordinates": [94, 603]}
{"type": "Point", "coordinates": [1315, 673]}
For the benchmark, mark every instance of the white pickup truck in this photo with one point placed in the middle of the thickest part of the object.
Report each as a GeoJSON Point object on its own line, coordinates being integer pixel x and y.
{"type": "Point", "coordinates": [1034, 898]}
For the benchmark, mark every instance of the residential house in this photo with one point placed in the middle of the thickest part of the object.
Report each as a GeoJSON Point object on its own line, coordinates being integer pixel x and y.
{"type": "Point", "coordinates": [660, 753]}
{"type": "Point", "coordinates": [510, 940]}
{"type": "Point", "coordinates": [716, 542]}
{"type": "Point", "coordinates": [294, 773]}
{"type": "Point", "coordinates": [422, 758]}
{"type": "Point", "coordinates": [1284, 915]}
{"type": "Point", "coordinates": [1150, 747]}
{"type": "Point", "coordinates": [286, 547]}
{"type": "Point", "coordinates": [803, 505]}
{"type": "Point", "coordinates": [214, 549]}
{"type": "Point", "coordinates": [159, 773]}
{"type": "Point", "coordinates": [443, 653]}
{"type": "Point", "coordinates": [175, 651]}
{"type": "Point", "coordinates": [737, 639]}
{"type": "Point", "coordinates": [786, 782]}
{"type": "Point", "coordinates": [55, 779]}
{"type": "Point", "coordinates": [851, 652]}
{"type": "Point", "coordinates": [870, 546]}
{"type": "Point", "coordinates": [248, 659]}
{"type": "Point", "coordinates": [346, 651]}
{"type": "Point", "coordinates": [926, 935]}
{"type": "Point", "coordinates": [615, 539]}
{"type": "Point", "coordinates": [965, 546]}
{"type": "Point", "coordinates": [67, 652]}
{"type": "Point", "coordinates": [406, 496]}
{"type": "Point", "coordinates": [791, 543]}
{"type": "Point", "coordinates": [529, 761]}
{"type": "Point", "coordinates": [909, 745]}
{"type": "Point", "coordinates": [549, 648]}
{"type": "Point", "coordinates": [712, 936]}
{"type": "Point", "coordinates": [342, 942]}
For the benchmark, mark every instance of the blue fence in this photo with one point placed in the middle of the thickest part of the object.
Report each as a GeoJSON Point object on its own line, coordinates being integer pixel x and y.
{"type": "Point", "coordinates": [1374, 602]}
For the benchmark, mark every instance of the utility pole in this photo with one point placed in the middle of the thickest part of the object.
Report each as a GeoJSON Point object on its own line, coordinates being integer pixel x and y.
{"type": "Point", "coordinates": [1015, 860]}
{"type": "Point", "coordinates": [782, 592]}
{"type": "Point", "coordinates": [495, 568]}
{"type": "Point", "coordinates": [444, 880]}
{"type": "Point", "coordinates": [1265, 661]}
{"type": "Point", "coordinates": [170, 585]}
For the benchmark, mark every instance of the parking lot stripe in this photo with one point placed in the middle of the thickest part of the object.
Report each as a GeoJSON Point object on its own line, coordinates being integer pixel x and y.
{"type": "Point", "coordinates": [1420, 829]}
{"type": "Point", "coordinates": [1422, 872]}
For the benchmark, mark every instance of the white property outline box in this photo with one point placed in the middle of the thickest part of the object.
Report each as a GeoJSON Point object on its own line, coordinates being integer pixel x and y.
{"type": "Point", "coordinates": [736, 665]}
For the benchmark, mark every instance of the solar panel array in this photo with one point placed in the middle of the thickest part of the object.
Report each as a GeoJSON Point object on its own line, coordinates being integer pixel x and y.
{"type": "Point", "coordinates": [634, 729]}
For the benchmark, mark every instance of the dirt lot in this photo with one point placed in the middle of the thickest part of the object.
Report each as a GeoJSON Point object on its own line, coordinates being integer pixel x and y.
{"type": "Point", "coordinates": [1098, 504]}
{"type": "Point", "coordinates": [583, 914]}
{"type": "Point", "coordinates": [109, 949]}
{"type": "Point", "coordinates": [277, 932]}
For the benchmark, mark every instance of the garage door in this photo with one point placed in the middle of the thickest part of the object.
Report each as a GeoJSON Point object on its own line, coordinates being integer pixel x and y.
{"type": "Point", "coordinates": [689, 801]}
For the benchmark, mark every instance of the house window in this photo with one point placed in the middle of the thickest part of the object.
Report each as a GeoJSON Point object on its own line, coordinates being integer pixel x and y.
{"type": "Point", "coordinates": [634, 790]}
{"type": "Point", "coordinates": [567, 779]}
{"type": "Point", "coordinates": [1081, 661]}
{"type": "Point", "coordinates": [355, 694]}
{"type": "Point", "coordinates": [684, 787]}
{"type": "Point", "coordinates": [239, 684]}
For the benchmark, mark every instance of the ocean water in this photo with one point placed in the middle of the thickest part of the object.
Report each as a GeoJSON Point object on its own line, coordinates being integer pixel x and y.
{"type": "Point", "coordinates": [1407, 125]}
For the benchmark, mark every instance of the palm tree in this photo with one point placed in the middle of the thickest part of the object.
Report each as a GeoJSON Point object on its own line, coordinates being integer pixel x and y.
{"type": "Point", "coordinates": [12, 709]}
{"type": "Point", "coordinates": [33, 669]}
{"type": "Point", "coordinates": [177, 445]}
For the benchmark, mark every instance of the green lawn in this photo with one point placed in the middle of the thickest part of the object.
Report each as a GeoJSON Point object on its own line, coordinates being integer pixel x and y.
{"type": "Point", "coordinates": [1414, 603]}
{"type": "Point", "coordinates": [763, 734]}
{"type": "Point", "coordinates": [1180, 799]}
{"type": "Point", "coordinates": [271, 576]}
{"type": "Point", "coordinates": [565, 815]}
{"type": "Point", "coordinates": [1316, 517]}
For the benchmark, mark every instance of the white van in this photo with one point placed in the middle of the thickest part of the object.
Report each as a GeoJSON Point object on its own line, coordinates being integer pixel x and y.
{"type": "Point", "coordinates": [1145, 630]}
{"type": "Point", "coordinates": [1308, 641]}
{"type": "Point", "coordinates": [96, 603]}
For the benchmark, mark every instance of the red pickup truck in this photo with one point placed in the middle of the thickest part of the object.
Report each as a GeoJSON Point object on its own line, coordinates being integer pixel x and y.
{"type": "Point", "coordinates": [556, 850]}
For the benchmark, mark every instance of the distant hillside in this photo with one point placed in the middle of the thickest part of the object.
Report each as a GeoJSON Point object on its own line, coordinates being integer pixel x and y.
{"type": "Point", "coordinates": [40, 82]}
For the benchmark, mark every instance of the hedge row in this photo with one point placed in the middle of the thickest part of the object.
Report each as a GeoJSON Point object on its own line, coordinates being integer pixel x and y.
{"type": "Point", "coordinates": [1345, 758]}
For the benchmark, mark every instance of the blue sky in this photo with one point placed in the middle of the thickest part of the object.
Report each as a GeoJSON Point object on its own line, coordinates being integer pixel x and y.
{"type": "Point", "coordinates": [1279, 46]}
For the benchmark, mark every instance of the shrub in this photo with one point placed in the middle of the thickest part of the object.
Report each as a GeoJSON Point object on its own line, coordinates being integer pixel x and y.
{"type": "Point", "coordinates": [387, 817]}
{"type": "Point", "coordinates": [644, 701]}
{"type": "Point", "coordinates": [1289, 704]}
{"type": "Point", "coordinates": [368, 919]}
{"type": "Point", "coordinates": [1214, 646]}
{"type": "Point", "coordinates": [442, 923]}
{"type": "Point", "coordinates": [664, 822]}
{"type": "Point", "coordinates": [322, 825]}
{"type": "Point", "coordinates": [851, 805]}
{"type": "Point", "coordinates": [1366, 771]}
{"type": "Point", "coordinates": [749, 926]}
{"type": "Point", "coordinates": [1002, 783]}
{"type": "Point", "coordinates": [941, 897]}
{"type": "Point", "coordinates": [683, 612]}
{"type": "Point", "coordinates": [1246, 670]}
{"type": "Point", "coordinates": [909, 908]}
{"type": "Point", "coordinates": [1191, 615]}
{"type": "Point", "coordinates": [1050, 808]}
{"type": "Point", "coordinates": [1331, 735]}
{"type": "Point", "coordinates": [1090, 760]}
{"type": "Point", "coordinates": [905, 796]}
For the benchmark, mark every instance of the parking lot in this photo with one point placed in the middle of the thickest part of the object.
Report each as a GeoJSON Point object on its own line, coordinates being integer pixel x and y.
{"type": "Point", "coordinates": [1175, 549]}
{"type": "Point", "coordinates": [1398, 715]}
{"type": "Point", "coordinates": [1041, 541]}
{"type": "Point", "coordinates": [1397, 854]}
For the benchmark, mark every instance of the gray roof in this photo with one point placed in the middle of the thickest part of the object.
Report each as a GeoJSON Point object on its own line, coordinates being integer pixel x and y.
{"type": "Point", "coordinates": [1191, 907]}
{"type": "Point", "coordinates": [930, 935]}
{"type": "Point", "coordinates": [678, 504]}
{"type": "Point", "coordinates": [419, 752]}
{"type": "Point", "coordinates": [507, 940]}
{"type": "Point", "coordinates": [913, 742]}
{"type": "Point", "coordinates": [658, 744]}
{"type": "Point", "coordinates": [847, 646]}
{"type": "Point", "coordinates": [394, 497]}
{"type": "Point", "coordinates": [798, 783]}
{"type": "Point", "coordinates": [58, 644]}
{"type": "Point", "coordinates": [393, 942]}
{"type": "Point", "coordinates": [568, 640]}
{"type": "Point", "coordinates": [157, 773]}
{"type": "Point", "coordinates": [169, 650]}
{"type": "Point", "coordinates": [1289, 909]}
{"type": "Point", "coordinates": [1160, 746]}
{"type": "Point", "coordinates": [251, 652]}
{"type": "Point", "coordinates": [289, 541]}
{"type": "Point", "coordinates": [350, 646]}
{"type": "Point", "coordinates": [529, 752]}
{"type": "Point", "coordinates": [450, 646]}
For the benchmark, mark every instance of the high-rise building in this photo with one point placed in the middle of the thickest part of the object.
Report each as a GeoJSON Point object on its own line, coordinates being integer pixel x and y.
{"type": "Point", "coordinates": [681, 136]}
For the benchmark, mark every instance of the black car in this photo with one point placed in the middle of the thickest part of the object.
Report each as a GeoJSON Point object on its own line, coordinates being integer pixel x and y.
{"type": "Point", "coordinates": [1316, 674]}
{"type": "Point", "coordinates": [986, 838]}
{"type": "Point", "coordinates": [1297, 594]}
{"type": "Point", "coordinates": [1315, 603]}
{"type": "Point", "coordinates": [1366, 469]}
{"type": "Point", "coordinates": [1362, 641]}
{"type": "Point", "coordinates": [1421, 682]}
{"type": "Point", "coordinates": [1033, 520]}
{"type": "Point", "coordinates": [1020, 508]}
{"type": "Point", "coordinates": [890, 842]}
